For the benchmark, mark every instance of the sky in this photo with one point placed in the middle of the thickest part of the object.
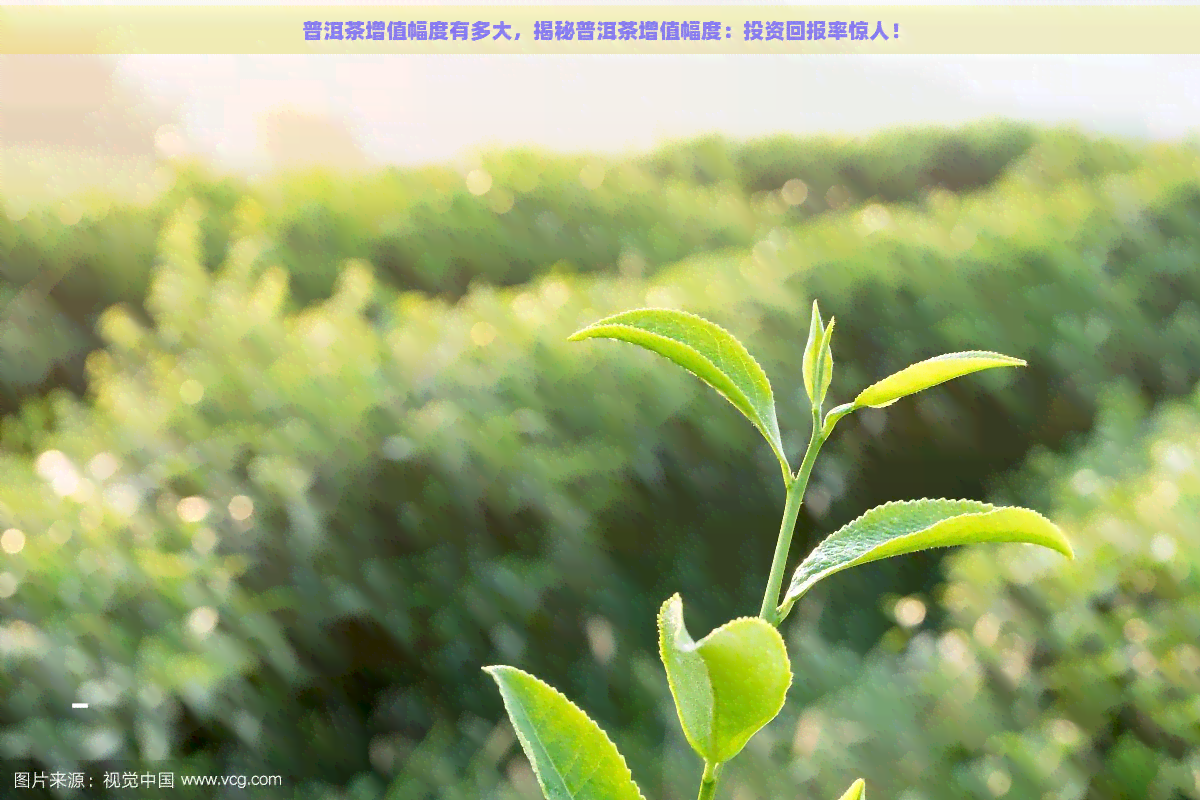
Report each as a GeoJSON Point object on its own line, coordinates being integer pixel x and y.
{"type": "Point", "coordinates": [420, 109]}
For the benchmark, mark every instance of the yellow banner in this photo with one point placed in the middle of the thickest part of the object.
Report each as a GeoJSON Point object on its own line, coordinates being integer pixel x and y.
{"type": "Point", "coordinates": [600, 29]}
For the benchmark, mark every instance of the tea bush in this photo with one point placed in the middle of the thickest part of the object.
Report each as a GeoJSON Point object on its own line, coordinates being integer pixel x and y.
{"type": "Point", "coordinates": [424, 229]}
{"type": "Point", "coordinates": [290, 536]}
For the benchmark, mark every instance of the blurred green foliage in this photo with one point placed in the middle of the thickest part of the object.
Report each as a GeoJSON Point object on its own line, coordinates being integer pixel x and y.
{"type": "Point", "coordinates": [892, 167]}
{"type": "Point", "coordinates": [287, 532]}
{"type": "Point", "coordinates": [428, 229]}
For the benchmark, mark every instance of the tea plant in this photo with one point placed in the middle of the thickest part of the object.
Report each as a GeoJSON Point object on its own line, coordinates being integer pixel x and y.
{"type": "Point", "coordinates": [731, 683]}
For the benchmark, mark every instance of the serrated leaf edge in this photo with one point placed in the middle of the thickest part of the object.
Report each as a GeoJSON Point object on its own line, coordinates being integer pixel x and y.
{"type": "Point", "coordinates": [600, 323]}
{"type": "Point", "coordinates": [691, 648]}
{"type": "Point", "coordinates": [697, 644]}
{"type": "Point", "coordinates": [778, 637]}
{"type": "Point", "coordinates": [490, 670]}
{"type": "Point", "coordinates": [788, 602]}
{"type": "Point", "coordinates": [1013, 362]}
{"type": "Point", "coordinates": [768, 428]}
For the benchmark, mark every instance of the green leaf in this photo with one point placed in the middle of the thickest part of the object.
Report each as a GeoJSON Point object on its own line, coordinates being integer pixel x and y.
{"type": "Point", "coordinates": [826, 369]}
{"type": "Point", "coordinates": [726, 686]}
{"type": "Point", "coordinates": [930, 372]}
{"type": "Point", "coordinates": [812, 350]}
{"type": "Point", "coordinates": [706, 350]}
{"type": "Point", "coordinates": [908, 526]}
{"type": "Point", "coordinates": [857, 791]}
{"type": "Point", "coordinates": [572, 757]}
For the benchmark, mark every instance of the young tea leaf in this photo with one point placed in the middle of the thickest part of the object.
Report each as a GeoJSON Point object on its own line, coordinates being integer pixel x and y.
{"type": "Point", "coordinates": [812, 350]}
{"type": "Point", "coordinates": [931, 372]}
{"type": "Point", "coordinates": [726, 686]}
{"type": "Point", "coordinates": [826, 360]}
{"type": "Point", "coordinates": [572, 757]}
{"type": "Point", "coordinates": [706, 350]}
{"type": "Point", "coordinates": [908, 526]}
{"type": "Point", "coordinates": [857, 791]}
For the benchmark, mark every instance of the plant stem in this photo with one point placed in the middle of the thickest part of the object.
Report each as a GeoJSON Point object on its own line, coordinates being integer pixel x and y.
{"type": "Point", "coordinates": [770, 611]}
{"type": "Point", "coordinates": [791, 509]}
{"type": "Point", "coordinates": [708, 782]}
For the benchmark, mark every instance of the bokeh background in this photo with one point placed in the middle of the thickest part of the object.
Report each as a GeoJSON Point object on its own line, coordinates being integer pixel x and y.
{"type": "Point", "coordinates": [293, 444]}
